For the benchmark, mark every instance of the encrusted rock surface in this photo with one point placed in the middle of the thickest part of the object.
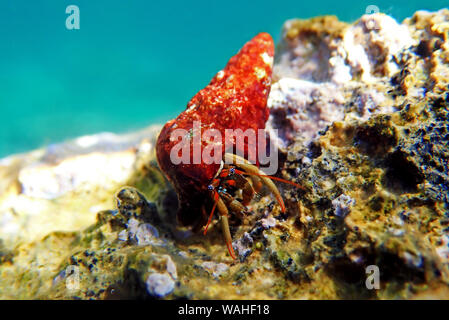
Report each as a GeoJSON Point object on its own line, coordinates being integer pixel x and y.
{"type": "Point", "coordinates": [362, 115]}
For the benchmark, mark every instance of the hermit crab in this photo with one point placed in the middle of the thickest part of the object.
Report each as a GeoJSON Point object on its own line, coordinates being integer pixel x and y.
{"type": "Point", "coordinates": [211, 170]}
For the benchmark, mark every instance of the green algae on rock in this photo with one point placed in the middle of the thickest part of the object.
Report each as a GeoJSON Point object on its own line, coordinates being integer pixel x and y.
{"type": "Point", "coordinates": [362, 114]}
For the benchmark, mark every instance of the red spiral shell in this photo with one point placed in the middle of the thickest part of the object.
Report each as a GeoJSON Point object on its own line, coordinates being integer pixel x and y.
{"type": "Point", "coordinates": [236, 98]}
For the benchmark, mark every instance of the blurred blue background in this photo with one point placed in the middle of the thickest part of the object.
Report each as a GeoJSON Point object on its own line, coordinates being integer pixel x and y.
{"type": "Point", "coordinates": [132, 63]}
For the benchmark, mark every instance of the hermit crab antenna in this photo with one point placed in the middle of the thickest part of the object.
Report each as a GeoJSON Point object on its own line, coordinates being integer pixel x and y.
{"type": "Point", "coordinates": [272, 178]}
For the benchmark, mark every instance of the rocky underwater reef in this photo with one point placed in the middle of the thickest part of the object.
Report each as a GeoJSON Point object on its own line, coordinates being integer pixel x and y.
{"type": "Point", "coordinates": [361, 115]}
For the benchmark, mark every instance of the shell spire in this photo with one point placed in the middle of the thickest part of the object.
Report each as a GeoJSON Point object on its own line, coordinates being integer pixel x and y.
{"type": "Point", "coordinates": [241, 88]}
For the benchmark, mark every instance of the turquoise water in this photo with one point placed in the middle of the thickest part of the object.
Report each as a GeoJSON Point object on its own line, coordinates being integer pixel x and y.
{"type": "Point", "coordinates": [132, 63]}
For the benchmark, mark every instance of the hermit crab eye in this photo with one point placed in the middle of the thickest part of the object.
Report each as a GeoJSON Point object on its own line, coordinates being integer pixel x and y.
{"type": "Point", "coordinates": [232, 171]}
{"type": "Point", "coordinates": [210, 187]}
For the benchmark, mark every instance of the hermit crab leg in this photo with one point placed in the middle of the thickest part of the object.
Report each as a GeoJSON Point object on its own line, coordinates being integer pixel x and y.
{"type": "Point", "coordinates": [216, 198]}
{"type": "Point", "coordinates": [227, 235]}
{"type": "Point", "coordinates": [252, 169]}
{"type": "Point", "coordinates": [247, 193]}
{"type": "Point", "coordinates": [247, 189]}
{"type": "Point", "coordinates": [223, 210]}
